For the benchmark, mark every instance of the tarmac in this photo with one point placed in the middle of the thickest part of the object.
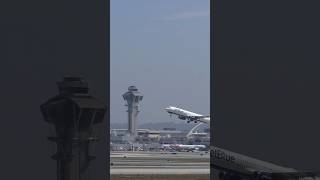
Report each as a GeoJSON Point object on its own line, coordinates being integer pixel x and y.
{"type": "Point", "coordinates": [160, 163]}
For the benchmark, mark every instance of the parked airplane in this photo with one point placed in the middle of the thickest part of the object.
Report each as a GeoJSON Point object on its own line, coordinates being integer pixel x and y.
{"type": "Point", "coordinates": [187, 115]}
{"type": "Point", "coordinates": [183, 147]}
{"type": "Point", "coordinates": [234, 166]}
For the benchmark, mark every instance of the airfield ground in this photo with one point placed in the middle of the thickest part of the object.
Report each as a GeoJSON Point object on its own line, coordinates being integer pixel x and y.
{"type": "Point", "coordinates": [159, 166]}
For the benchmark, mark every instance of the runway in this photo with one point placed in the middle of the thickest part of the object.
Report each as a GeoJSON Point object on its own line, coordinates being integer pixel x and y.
{"type": "Point", "coordinates": [159, 163]}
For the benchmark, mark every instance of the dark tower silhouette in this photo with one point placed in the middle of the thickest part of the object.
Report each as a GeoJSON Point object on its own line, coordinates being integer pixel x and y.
{"type": "Point", "coordinates": [73, 112]}
{"type": "Point", "coordinates": [133, 97]}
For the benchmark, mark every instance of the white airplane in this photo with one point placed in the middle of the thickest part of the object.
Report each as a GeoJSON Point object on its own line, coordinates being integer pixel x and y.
{"type": "Point", "coordinates": [187, 115]}
{"type": "Point", "coordinates": [234, 166]}
{"type": "Point", "coordinates": [183, 147]}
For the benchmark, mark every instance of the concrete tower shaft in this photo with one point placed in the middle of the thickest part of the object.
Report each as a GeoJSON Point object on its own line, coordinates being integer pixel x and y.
{"type": "Point", "coordinates": [132, 97]}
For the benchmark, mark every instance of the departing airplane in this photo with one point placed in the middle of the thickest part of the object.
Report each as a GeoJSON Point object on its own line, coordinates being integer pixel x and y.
{"type": "Point", "coordinates": [187, 115]}
{"type": "Point", "coordinates": [234, 166]}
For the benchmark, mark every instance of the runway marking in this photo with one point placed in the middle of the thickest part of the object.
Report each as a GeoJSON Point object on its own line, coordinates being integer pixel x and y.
{"type": "Point", "coordinates": [159, 171]}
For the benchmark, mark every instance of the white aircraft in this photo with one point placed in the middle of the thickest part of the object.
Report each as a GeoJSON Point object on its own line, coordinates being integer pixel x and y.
{"type": "Point", "coordinates": [187, 115]}
{"type": "Point", "coordinates": [233, 166]}
{"type": "Point", "coordinates": [183, 147]}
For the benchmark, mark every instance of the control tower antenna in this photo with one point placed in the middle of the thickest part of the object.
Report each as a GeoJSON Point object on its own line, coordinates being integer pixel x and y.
{"type": "Point", "coordinates": [132, 97]}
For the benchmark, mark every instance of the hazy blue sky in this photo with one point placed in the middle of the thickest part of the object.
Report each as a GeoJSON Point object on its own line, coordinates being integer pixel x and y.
{"type": "Point", "coordinates": [161, 47]}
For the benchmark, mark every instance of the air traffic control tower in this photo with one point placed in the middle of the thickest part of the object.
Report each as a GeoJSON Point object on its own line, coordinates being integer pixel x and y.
{"type": "Point", "coordinates": [75, 115]}
{"type": "Point", "coordinates": [132, 97]}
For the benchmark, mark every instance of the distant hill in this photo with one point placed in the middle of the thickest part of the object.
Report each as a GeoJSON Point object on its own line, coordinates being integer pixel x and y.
{"type": "Point", "coordinates": [183, 126]}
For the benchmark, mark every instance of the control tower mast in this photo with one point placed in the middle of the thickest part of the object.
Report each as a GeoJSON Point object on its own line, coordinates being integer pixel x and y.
{"type": "Point", "coordinates": [133, 97]}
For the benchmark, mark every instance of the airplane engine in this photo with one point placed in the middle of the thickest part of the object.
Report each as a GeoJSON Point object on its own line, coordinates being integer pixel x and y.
{"type": "Point", "coordinates": [182, 117]}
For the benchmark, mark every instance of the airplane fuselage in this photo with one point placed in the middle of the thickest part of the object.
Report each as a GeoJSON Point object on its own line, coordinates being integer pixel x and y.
{"type": "Point", "coordinates": [233, 166]}
{"type": "Point", "coordinates": [187, 115]}
{"type": "Point", "coordinates": [224, 159]}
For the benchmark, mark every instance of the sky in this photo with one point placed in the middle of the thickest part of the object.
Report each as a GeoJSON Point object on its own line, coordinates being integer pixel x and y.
{"type": "Point", "coordinates": [161, 47]}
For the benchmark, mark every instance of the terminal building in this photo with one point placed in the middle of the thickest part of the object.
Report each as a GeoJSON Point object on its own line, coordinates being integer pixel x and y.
{"type": "Point", "coordinates": [151, 140]}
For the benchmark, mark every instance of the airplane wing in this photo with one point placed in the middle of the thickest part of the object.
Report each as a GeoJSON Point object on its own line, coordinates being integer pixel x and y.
{"type": "Point", "coordinates": [187, 115]}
